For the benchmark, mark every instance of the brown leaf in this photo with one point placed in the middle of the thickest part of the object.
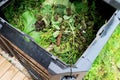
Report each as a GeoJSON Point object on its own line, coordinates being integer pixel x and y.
{"type": "Point", "coordinates": [59, 39]}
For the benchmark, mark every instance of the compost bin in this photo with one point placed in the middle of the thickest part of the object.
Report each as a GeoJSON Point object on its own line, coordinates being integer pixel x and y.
{"type": "Point", "coordinates": [63, 28]}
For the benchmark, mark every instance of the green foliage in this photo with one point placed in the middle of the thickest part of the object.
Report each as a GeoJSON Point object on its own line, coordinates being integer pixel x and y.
{"type": "Point", "coordinates": [46, 10]}
{"type": "Point", "coordinates": [81, 6]}
{"type": "Point", "coordinates": [28, 20]}
{"type": "Point", "coordinates": [35, 35]}
{"type": "Point", "coordinates": [57, 2]}
{"type": "Point", "coordinates": [107, 64]}
{"type": "Point", "coordinates": [56, 33]}
{"type": "Point", "coordinates": [46, 38]}
{"type": "Point", "coordinates": [59, 16]}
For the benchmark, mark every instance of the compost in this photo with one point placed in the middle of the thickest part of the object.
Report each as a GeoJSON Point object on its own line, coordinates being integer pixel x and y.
{"type": "Point", "coordinates": [62, 27]}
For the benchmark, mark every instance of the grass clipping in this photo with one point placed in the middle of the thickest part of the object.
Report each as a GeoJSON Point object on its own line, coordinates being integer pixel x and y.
{"type": "Point", "coordinates": [63, 28]}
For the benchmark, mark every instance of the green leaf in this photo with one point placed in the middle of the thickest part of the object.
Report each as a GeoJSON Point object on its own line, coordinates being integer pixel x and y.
{"type": "Point", "coordinates": [73, 7]}
{"type": "Point", "coordinates": [56, 2]}
{"type": "Point", "coordinates": [118, 63]}
{"type": "Point", "coordinates": [66, 17]}
{"type": "Point", "coordinates": [56, 33]}
{"type": "Point", "coordinates": [62, 2]}
{"type": "Point", "coordinates": [28, 19]}
{"type": "Point", "coordinates": [81, 7]}
{"type": "Point", "coordinates": [46, 10]}
{"type": "Point", "coordinates": [48, 2]}
{"type": "Point", "coordinates": [36, 36]}
{"type": "Point", "coordinates": [56, 25]}
{"type": "Point", "coordinates": [63, 48]}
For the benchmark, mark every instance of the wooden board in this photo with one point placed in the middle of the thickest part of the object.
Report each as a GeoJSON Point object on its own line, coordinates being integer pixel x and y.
{"type": "Point", "coordinates": [4, 67]}
{"type": "Point", "coordinates": [19, 76]}
{"type": "Point", "coordinates": [1, 59]}
{"type": "Point", "coordinates": [26, 78]}
{"type": "Point", "coordinates": [10, 72]}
